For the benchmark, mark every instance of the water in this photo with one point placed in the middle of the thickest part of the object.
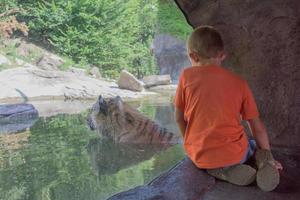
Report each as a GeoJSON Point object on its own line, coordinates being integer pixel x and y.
{"type": "Point", "coordinates": [59, 158]}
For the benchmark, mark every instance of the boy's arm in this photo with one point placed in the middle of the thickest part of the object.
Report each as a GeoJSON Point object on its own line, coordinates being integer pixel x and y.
{"type": "Point", "coordinates": [259, 133]}
{"type": "Point", "coordinates": [261, 136]}
{"type": "Point", "coordinates": [179, 117]}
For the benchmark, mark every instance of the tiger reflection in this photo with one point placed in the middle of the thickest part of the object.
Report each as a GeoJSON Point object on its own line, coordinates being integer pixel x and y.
{"type": "Point", "coordinates": [124, 124]}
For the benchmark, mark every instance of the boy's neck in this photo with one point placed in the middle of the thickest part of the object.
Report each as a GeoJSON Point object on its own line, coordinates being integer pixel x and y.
{"type": "Point", "coordinates": [212, 61]}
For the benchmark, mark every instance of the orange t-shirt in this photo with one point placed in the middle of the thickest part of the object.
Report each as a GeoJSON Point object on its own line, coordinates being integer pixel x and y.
{"type": "Point", "coordinates": [214, 101]}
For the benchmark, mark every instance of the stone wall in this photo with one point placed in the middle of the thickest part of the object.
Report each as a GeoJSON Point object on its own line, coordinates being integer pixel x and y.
{"type": "Point", "coordinates": [262, 40]}
{"type": "Point", "coordinates": [170, 54]}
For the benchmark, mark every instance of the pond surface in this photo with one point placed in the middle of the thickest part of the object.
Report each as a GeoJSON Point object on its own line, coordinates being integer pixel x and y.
{"type": "Point", "coordinates": [59, 158]}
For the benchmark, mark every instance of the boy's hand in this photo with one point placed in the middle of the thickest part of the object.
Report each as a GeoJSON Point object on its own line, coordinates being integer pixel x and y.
{"type": "Point", "coordinates": [278, 165]}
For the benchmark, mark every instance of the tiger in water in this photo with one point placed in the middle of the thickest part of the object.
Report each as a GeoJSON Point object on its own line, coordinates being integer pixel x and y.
{"type": "Point", "coordinates": [124, 124]}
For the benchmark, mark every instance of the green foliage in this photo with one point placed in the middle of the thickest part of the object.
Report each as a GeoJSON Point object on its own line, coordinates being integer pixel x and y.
{"type": "Point", "coordinates": [112, 35]}
{"type": "Point", "coordinates": [7, 5]}
{"type": "Point", "coordinates": [171, 20]}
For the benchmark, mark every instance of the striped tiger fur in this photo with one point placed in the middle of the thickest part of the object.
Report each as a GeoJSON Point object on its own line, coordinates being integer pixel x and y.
{"type": "Point", "coordinates": [124, 124]}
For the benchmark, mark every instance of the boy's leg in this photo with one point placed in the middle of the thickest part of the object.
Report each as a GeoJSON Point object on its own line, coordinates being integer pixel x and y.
{"type": "Point", "coordinates": [239, 174]}
{"type": "Point", "coordinates": [267, 176]}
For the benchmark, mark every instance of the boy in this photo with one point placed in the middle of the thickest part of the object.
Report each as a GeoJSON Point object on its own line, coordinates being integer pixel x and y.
{"type": "Point", "coordinates": [210, 103]}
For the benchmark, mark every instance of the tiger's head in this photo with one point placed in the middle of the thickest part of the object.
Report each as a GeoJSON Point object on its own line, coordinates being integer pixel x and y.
{"type": "Point", "coordinates": [114, 118]}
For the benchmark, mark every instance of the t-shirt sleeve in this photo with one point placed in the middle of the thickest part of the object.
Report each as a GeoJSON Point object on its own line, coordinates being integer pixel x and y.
{"type": "Point", "coordinates": [249, 109]}
{"type": "Point", "coordinates": [179, 100]}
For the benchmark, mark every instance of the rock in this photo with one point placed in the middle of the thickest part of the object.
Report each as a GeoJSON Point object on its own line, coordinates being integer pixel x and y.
{"type": "Point", "coordinates": [95, 73]}
{"type": "Point", "coordinates": [170, 54]}
{"type": "Point", "coordinates": [154, 80]}
{"type": "Point", "coordinates": [50, 62]}
{"type": "Point", "coordinates": [4, 60]}
{"type": "Point", "coordinates": [262, 41]}
{"type": "Point", "coordinates": [17, 117]}
{"type": "Point", "coordinates": [129, 82]}
{"type": "Point", "coordinates": [32, 83]}
{"type": "Point", "coordinates": [185, 182]}
{"type": "Point", "coordinates": [19, 61]}
{"type": "Point", "coordinates": [164, 89]}
{"type": "Point", "coordinates": [27, 50]}
{"type": "Point", "coordinates": [77, 71]}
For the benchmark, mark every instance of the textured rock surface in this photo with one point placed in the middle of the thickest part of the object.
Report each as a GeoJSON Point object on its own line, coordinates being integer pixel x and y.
{"type": "Point", "coordinates": [262, 40]}
{"type": "Point", "coordinates": [4, 60]}
{"type": "Point", "coordinates": [129, 82]}
{"type": "Point", "coordinates": [164, 89]}
{"type": "Point", "coordinates": [17, 117]}
{"type": "Point", "coordinates": [154, 80]}
{"type": "Point", "coordinates": [170, 54]}
{"type": "Point", "coordinates": [50, 62]}
{"type": "Point", "coordinates": [95, 73]}
{"type": "Point", "coordinates": [77, 71]}
{"type": "Point", "coordinates": [31, 83]}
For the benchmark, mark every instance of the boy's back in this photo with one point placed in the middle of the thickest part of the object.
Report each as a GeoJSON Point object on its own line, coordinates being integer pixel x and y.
{"type": "Point", "coordinates": [210, 102]}
{"type": "Point", "coordinates": [212, 99]}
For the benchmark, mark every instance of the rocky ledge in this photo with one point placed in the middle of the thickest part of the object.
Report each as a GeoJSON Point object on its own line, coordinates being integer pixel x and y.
{"type": "Point", "coordinates": [32, 83]}
{"type": "Point", "coordinates": [187, 182]}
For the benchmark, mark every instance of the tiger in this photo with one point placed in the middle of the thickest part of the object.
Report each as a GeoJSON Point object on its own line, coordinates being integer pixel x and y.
{"type": "Point", "coordinates": [116, 119]}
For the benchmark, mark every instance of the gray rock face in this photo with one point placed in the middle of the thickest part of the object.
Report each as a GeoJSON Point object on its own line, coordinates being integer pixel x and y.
{"type": "Point", "coordinates": [129, 82]}
{"type": "Point", "coordinates": [170, 54]}
{"type": "Point", "coordinates": [95, 73]}
{"type": "Point", "coordinates": [155, 80]}
{"type": "Point", "coordinates": [50, 62]}
{"type": "Point", "coordinates": [17, 117]}
{"type": "Point", "coordinates": [32, 83]}
{"type": "Point", "coordinates": [77, 71]}
{"type": "Point", "coordinates": [4, 60]}
{"type": "Point", "coordinates": [262, 40]}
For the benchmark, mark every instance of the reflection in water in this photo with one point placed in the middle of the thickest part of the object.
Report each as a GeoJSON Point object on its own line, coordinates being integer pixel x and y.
{"type": "Point", "coordinates": [108, 157]}
{"type": "Point", "coordinates": [60, 158]}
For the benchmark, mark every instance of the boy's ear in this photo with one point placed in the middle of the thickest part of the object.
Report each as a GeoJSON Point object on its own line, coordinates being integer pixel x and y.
{"type": "Point", "coordinates": [193, 56]}
{"type": "Point", "coordinates": [222, 55]}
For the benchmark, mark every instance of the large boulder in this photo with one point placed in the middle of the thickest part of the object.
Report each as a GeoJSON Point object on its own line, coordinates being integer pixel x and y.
{"type": "Point", "coordinates": [155, 80]}
{"type": "Point", "coordinates": [50, 61]}
{"type": "Point", "coordinates": [170, 54]}
{"type": "Point", "coordinates": [95, 73]}
{"type": "Point", "coordinates": [129, 82]}
{"type": "Point", "coordinates": [262, 40]}
{"type": "Point", "coordinates": [4, 60]}
{"type": "Point", "coordinates": [17, 117]}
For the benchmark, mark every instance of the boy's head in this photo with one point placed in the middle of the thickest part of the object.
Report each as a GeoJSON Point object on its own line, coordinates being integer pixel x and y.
{"type": "Point", "coordinates": [205, 43]}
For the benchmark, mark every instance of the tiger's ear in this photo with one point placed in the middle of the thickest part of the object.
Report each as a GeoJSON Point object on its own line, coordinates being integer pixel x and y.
{"type": "Point", "coordinates": [103, 108]}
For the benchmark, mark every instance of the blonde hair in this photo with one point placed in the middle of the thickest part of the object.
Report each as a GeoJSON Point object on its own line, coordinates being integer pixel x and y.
{"type": "Point", "coordinates": [205, 41]}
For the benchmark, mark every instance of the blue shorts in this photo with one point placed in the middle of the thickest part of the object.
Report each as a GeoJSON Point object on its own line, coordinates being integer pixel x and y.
{"type": "Point", "coordinates": [250, 151]}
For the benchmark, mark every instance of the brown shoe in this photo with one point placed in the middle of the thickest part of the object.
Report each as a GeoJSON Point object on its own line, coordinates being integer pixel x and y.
{"type": "Point", "coordinates": [267, 176]}
{"type": "Point", "coordinates": [238, 174]}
